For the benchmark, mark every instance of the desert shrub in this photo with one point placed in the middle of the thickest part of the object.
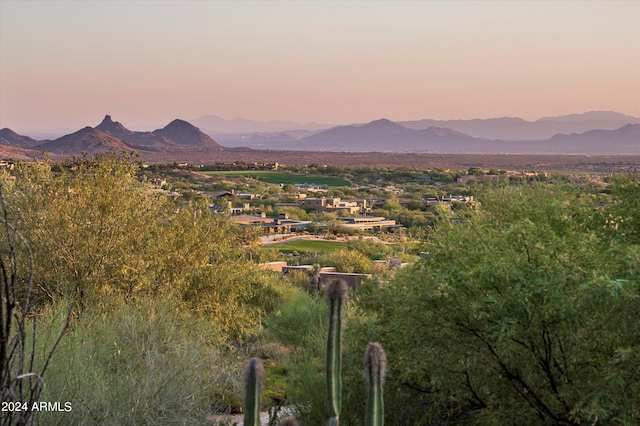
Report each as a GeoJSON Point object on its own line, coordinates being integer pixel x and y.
{"type": "Point", "coordinates": [299, 279]}
{"type": "Point", "coordinates": [299, 322]}
{"type": "Point", "coordinates": [350, 261]}
{"type": "Point", "coordinates": [370, 248]}
{"type": "Point", "coordinates": [144, 363]}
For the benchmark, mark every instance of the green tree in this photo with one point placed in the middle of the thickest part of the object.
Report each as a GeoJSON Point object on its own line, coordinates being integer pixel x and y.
{"type": "Point", "coordinates": [351, 261]}
{"type": "Point", "coordinates": [392, 206]}
{"type": "Point", "coordinates": [369, 248]}
{"type": "Point", "coordinates": [475, 171]}
{"type": "Point", "coordinates": [517, 316]}
{"type": "Point", "coordinates": [622, 220]}
{"type": "Point", "coordinates": [97, 231]}
{"type": "Point", "coordinates": [93, 229]}
{"type": "Point", "coordinates": [415, 205]}
{"type": "Point", "coordinates": [293, 212]}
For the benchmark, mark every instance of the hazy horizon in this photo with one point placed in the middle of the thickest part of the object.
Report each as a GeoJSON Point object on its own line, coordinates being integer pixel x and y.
{"type": "Point", "coordinates": [64, 65]}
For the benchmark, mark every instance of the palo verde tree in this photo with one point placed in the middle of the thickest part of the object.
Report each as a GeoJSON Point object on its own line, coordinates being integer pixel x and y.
{"type": "Point", "coordinates": [92, 228]}
{"type": "Point", "coordinates": [518, 315]}
{"type": "Point", "coordinates": [97, 232]}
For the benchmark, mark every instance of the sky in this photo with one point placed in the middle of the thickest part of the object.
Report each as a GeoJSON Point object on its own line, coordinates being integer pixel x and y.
{"type": "Point", "coordinates": [66, 64]}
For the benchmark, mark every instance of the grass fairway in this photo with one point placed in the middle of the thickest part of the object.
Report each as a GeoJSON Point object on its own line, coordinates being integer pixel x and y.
{"type": "Point", "coordinates": [307, 246]}
{"type": "Point", "coordinates": [269, 176]}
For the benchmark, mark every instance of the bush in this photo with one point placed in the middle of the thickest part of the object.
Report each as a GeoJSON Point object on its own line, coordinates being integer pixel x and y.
{"type": "Point", "coordinates": [146, 363]}
{"type": "Point", "coordinates": [350, 261]}
{"type": "Point", "coordinates": [299, 322]}
{"type": "Point", "coordinates": [524, 311]}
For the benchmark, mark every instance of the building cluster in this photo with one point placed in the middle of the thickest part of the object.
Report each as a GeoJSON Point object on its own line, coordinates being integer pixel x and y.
{"type": "Point", "coordinates": [334, 204]}
{"type": "Point", "coordinates": [6, 164]}
{"type": "Point", "coordinates": [466, 199]}
{"type": "Point", "coordinates": [311, 187]}
{"type": "Point", "coordinates": [325, 275]}
{"type": "Point", "coordinates": [523, 176]}
{"type": "Point", "coordinates": [281, 224]}
{"type": "Point", "coordinates": [351, 214]}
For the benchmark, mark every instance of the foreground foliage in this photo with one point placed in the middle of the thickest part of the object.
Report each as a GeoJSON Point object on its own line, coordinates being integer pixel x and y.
{"type": "Point", "coordinates": [526, 313]}
{"type": "Point", "coordinates": [522, 311]}
{"type": "Point", "coordinates": [139, 363]}
{"type": "Point", "coordinates": [21, 378]}
{"type": "Point", "coordinates": [97, 231]}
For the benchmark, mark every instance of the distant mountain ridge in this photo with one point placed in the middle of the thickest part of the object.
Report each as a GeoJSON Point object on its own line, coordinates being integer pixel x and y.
{"type": "Point", "coordinates": [88, 140]}
{"type": "Point", "coordinates": [178, 133]}
{"type": "Point", "coordinates": [506, 128]}
{"type": "Point", "coordinates": [109, 134]}
{"type": "Point", "coordinates": [513, 128]}
{"type": "Point", "coordinates": [184, 134]}
{"type": "Point", "coordinates": [381, 135]}
{"type": "Point", "coordinates": [9, 137]}
{"type": "Point", "coordinates": [593, 115]}
{"type": "Point", "coordinates": [624, 140]}
{"type": "Point", "coordinates": [386, 136]}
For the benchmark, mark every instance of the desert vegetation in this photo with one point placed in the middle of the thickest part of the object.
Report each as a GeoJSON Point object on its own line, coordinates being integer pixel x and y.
{"type": "Point", "coordinates": [521, 305]}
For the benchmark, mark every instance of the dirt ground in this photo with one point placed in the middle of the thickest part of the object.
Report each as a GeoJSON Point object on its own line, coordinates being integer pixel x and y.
{"type": "Point", "coordinates": [560, 163]}
{"type": "Point", "coordinates": [591, 164]}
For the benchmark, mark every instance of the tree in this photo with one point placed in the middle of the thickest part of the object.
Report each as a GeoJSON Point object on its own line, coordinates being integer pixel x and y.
{"type": "Point", "coordinates": [415, 205]}
{"type": "Point", "coordinates": [369, 248]}
{"type": "Point", "coordinates": [392, 206]}
{"type": "Point", "coordinates": [97, 231]}
{"type": "Point", "coordinates": [350, 261]}
{"type": "Point", "coordinates": [475, 171]}
{"type": "Point", "coordinates": [518, 315]}
{"type": "Point", "coordinates": [622, 220]}
{"type": "Point", "coordinates": [21, 379]}
{"type": "Point", "coordinates": [93, 229]}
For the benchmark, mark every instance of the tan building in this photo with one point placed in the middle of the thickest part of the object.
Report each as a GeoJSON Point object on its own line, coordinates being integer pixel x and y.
{"type": "Point", "coordinates": [367, 222]}
{"type": "Point", "coordinates": [319, 204]}
{"type": "Point", "coordinates": [271, 225]}
{"type": "Point", "coordinates": [329, 204]}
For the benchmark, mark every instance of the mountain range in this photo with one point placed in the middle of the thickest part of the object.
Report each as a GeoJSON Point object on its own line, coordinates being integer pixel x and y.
{"type": "Point", "coordinates": [514, 129]}
{"type": "Point", "coordinates": [606, 133]}
{"type": "Point", "coordinates": [496, 129]}
{"type": "Point", "coordinates": [386, 136]}
{"type": "Point", "coordinates": [178, 135]}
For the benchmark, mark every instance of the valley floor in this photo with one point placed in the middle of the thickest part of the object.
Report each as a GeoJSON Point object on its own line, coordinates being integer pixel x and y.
{"type": "Point", "coordinates": [560, 163]}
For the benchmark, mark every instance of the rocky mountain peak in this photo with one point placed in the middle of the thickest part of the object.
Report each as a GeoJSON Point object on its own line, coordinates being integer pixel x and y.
{"type": "Point", "coordinates": [112, 127]}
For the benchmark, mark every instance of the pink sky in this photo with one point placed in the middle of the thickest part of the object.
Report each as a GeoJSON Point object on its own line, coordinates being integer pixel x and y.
{"type": "Point", "coordinates": [67, 64]}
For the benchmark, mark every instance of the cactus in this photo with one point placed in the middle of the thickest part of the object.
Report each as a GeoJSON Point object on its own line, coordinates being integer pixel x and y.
{"type": "Point", "coordinates": [333, 421]}
{"type": "Point", "coordinates": [375, 363]}
{"type": "Point", "coordinates": [253, 377]}
{"type": "Point", "coordinates": [337, 296]}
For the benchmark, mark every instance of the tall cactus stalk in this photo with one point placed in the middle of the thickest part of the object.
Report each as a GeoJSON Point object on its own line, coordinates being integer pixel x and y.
{"type": "Point", "coordinates": [375, 364]}
{"type": "Point", "coordinates": [337, 296]}
{"type": "Point", "coordinates": [253, 378]}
